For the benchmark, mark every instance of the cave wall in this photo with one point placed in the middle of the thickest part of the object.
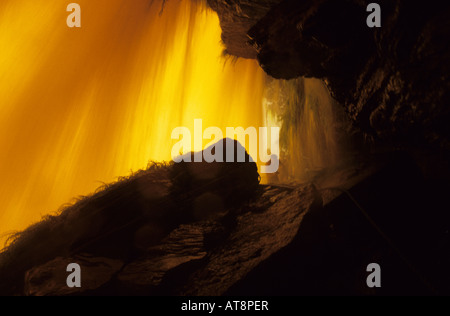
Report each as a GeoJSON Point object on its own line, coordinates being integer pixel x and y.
{"type": "Point", "coordinates": [236, 18]}
{"type": "Point", "coordinates": [393, 81]}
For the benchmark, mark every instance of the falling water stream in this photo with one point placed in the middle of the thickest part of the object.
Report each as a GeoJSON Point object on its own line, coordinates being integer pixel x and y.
{"type": "Point", "coordinates": [82, 107]}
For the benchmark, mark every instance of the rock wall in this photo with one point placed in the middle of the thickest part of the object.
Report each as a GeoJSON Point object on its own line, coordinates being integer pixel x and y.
{"type": "Point", "coordinates": [393, 81]}
{"type": "Point", "coordinates": [236, 18]}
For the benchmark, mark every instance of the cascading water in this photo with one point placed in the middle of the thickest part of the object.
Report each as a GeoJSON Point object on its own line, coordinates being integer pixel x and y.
{"type": "Point", "coordinates": [311, 135]}
{"type": "Point", "coordinates": [79, 107]}
{"type": "Point", "coordinates": [83, 106]}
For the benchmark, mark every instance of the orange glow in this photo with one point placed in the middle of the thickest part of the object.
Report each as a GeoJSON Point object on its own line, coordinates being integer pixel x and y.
{"type": "Point", "coordinates": [83, 106]}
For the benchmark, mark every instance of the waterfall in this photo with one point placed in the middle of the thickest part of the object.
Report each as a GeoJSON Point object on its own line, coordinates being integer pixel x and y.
{"type": "Point", "coordinates": [311, 131]}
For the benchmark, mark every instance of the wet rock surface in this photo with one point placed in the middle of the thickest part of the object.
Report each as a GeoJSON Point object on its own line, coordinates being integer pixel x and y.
{"type": "Point", "coordinates": [50, 278]}
{"type": "Point", "coordinates": [201, 258]}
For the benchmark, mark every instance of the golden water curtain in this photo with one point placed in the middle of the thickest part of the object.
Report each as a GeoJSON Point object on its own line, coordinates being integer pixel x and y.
{"type": "Point", "coordinates": [81, 106]}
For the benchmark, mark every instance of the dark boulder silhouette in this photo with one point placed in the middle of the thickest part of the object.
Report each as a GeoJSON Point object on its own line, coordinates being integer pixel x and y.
{"type": "Point", "coordinates": [214, 185]}
{"type": "Point", "coordinates": [123, 220]}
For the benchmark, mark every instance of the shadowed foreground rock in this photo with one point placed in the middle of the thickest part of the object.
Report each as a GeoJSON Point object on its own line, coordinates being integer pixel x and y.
{"type": "Point", "coordinates": [49, 278]}
{"type": "Point", "coordinates": [202, 258]}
